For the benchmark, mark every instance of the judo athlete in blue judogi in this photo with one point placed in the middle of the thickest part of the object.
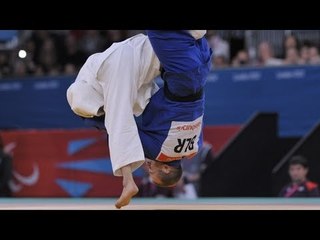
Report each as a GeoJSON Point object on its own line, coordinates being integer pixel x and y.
{"type": "Point", "coordinates": [171, 127]}
{"type": "Point", "coordinates": [114, 86]}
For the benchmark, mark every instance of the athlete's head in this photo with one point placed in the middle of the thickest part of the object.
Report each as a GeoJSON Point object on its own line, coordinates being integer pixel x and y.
{"type": "Point", "coordinates": [164, 174]}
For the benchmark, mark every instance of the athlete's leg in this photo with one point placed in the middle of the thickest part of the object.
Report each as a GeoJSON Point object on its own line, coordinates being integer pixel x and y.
{"type": "Point", "coordinates": [179, 51]}
{"type": "Point", "coordinates": [186, 60]}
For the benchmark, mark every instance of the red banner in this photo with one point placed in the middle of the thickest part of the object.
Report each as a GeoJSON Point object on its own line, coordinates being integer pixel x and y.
{"type": "Point", "coordinates": [73, 163]}
{"type": "Point", "coordinates": [61, 164]}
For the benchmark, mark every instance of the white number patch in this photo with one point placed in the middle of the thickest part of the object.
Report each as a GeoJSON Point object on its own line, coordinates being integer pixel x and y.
{"type": "Point", "coordinates": [182, 140]}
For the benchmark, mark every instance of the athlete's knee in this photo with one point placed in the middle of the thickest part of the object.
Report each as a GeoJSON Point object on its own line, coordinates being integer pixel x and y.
{"type": "Point", "coordinates": [197, 34]}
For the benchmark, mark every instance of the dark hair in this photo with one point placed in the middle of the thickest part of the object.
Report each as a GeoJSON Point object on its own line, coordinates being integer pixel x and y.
{"type": "Point", "coordinates": [298, 159]}
{"type": "Point", "coordinates": [169, 179]}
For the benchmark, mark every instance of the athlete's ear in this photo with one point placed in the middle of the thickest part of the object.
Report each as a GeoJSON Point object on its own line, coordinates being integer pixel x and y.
{"type": "Point", "coordinates": [165, 168]}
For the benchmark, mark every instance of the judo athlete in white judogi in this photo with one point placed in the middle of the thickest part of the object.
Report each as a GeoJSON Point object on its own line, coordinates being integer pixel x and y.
{"type": "Point", "coordinates": [114, 86]}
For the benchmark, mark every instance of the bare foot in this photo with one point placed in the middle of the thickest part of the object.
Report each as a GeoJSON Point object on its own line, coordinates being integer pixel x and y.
{"type": "Point", "coordinates": [129, 190]}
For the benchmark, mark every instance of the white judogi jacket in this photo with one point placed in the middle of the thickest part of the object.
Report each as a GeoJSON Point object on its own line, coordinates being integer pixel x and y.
{"type": "Point", "coordinates": [120, 80]}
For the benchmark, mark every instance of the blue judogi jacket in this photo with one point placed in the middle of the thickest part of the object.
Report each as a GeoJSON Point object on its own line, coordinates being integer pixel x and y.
{"type": "Point", "coordinates": [171, 125]}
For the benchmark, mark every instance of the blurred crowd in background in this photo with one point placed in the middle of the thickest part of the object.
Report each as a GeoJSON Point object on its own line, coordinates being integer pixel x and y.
{"type": "Point", "coordinates": [52, 52]}
{"type": "Point", "coordinates": [59, 52]}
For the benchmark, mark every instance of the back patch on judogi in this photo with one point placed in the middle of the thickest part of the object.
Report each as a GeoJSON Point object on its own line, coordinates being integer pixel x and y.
{"type": "Point", "coordinates": [182, 140]}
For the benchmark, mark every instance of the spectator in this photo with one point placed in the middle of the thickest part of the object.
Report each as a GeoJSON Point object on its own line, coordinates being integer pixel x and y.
{"type": "Point", "coordinates": [194, 167]}
{"type": "Point", "coordinates": [219, 61]}
{"type": "Point", "coordinates": [314, 55]}
{"type": "Point", "coordinates": [265, 53]}
{"type": "Point", "coordinates": [73, 57]}
{"type": "Point", "coordinates": [91, 42]}
{"type": "Point", "coordinates": [292, 57]}
{"type": "Point", "coordinates": [185, 190]}
{"type": "Point", "coordinates": [304, 54]}
{"type": "Point", "coordinates": [299, 186]}
{"type": "Point", "coordinates": [38, 38]}
{"type": "Point", "coordinates": [20, 69]}
{"type": "Point", "coordinates": [70, 69]}
{"type": "Point", "coordinates": [220, 46]}
{"type": "Point", "coordinates": [112, 36]}
{"type": "Point", "coordinates": [241, 59]}
{"type": "Point", "coordinates": [289, 42]}
{"type": "Point", "coordinates": [29, 60]}
{"type": "Point", "coordinates": [188, 186]}
{"type": "Point", "coordinates": [5, 171]}
{"type": "Point", "coordinates": [48, 57]}
{"type": "Point", "coordinates": [5, 68]}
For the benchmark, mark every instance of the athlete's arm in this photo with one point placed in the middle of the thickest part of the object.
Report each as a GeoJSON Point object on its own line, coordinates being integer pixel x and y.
{"type": "Point", "coordinates": [119, 96]}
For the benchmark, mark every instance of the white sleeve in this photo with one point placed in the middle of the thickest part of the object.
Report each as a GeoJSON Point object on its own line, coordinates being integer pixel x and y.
{"type": "Point", "coordinates": [118, 77]}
